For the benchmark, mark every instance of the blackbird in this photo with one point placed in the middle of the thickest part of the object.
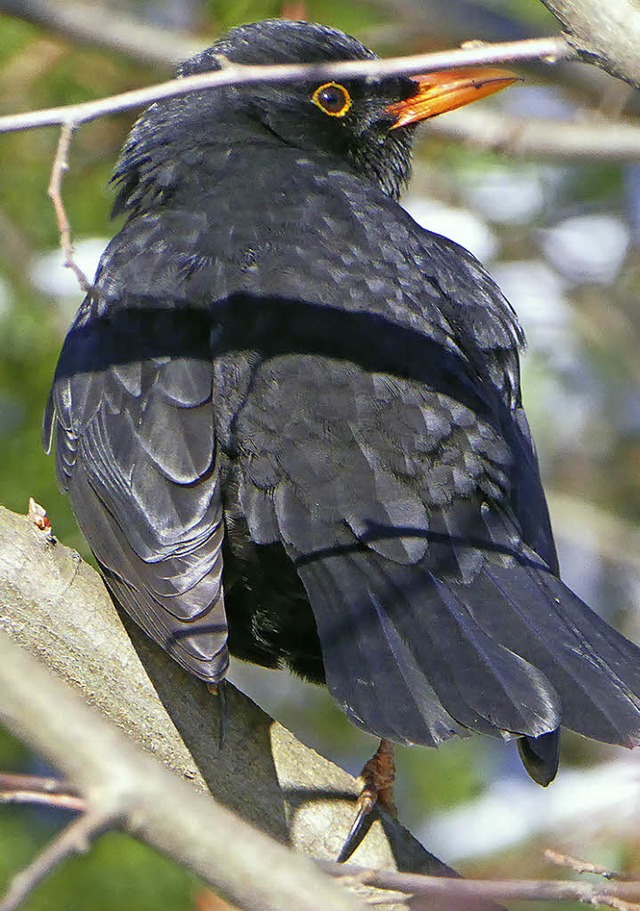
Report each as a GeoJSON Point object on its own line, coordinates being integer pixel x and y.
{"type": "Point", "coordinates": [289, 418]}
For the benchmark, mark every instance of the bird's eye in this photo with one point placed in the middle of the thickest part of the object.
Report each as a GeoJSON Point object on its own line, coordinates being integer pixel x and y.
{"type": "Point", "coordinates": [332, 98]}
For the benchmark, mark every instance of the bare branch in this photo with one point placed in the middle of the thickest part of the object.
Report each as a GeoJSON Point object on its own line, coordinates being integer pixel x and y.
{"type": "Point", "coordinates": [582, 866]}
{"type": "Point", "coordinates": [550, 49]}
{"type": "Point", "coordinates": [584, 139]}
{"type": "Point", "coordinates": [123, 784]}
{"type": "Point", "coordinates": [36, 789]}
{"type": "Point", "coordinates": [577, 140]}
{"type": "Point", "coordinates": [607, 34]}
{"type": "Point", "coordinates": [431, 888]}
{"type": "Point", "coordinates": [57, 607]}
{"type": "Point", "coordinates": [60, 165]}
{"type": "Point", "coordinates": [75, 839]}
{"type": "Point", "coordinates": [604, 139]}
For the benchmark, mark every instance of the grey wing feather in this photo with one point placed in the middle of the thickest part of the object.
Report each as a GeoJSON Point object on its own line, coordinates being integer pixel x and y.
{"type": "Point", "coordinates": [136, 452]}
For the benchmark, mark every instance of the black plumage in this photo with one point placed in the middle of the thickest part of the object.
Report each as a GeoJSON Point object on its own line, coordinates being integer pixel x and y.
{"type": "Point", "coordinates": [289, 421]}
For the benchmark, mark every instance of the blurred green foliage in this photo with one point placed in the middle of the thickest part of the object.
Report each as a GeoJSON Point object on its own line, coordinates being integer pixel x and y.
{"type": "Point", "coordinates": [118, 873]}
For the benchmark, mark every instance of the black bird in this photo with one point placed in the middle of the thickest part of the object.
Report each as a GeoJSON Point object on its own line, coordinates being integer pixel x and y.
{"type": "Point", "coordinates": [290, 424]}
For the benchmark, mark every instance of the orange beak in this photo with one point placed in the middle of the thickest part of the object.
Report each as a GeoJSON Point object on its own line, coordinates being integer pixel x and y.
{"type": "Point", "coordinates": [446, 90]}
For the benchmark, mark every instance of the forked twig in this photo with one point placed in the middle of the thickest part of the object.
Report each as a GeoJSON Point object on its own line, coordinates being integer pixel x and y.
{"type": "Point", "coordinates": [60, 165]}
{"type": "Point", "coordinates": [584, 866]}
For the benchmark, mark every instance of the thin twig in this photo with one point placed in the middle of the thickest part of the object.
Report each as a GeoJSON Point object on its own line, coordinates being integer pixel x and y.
{"type": "Point", "coordinates": [506, 890]}
{"type": "Point", "coordinates": [229, 72]}
{"type": "Point", "coordinates": [583, 866]}
{"type": "Point", "coordinates": [546, 49]}
{"type": "Point", "coordinates": [619, 904]}
{"type": "Point", "coordinates": [75, 839]}
{"type": "Point", "coordinates": [60, 165]}
{"type": "Point", "coordinates": [610, 139]}
{"type": "Point", "coordinates": [50, 792]}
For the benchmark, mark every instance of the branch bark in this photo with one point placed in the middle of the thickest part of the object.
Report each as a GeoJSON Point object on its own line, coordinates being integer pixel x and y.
{"type": "Point", "coordinates": [607, 34]}
{"type": "Point", "coordinates": [123, 784]}
{"type": "Point", "coordinates": [56, 607]}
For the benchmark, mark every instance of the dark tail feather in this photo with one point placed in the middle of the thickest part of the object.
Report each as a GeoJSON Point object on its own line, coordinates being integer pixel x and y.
{"type": "Point", "coordinates": [374, 677]}
{"type": "Point", "coordinates": [595, 670]}
{"type": "Point", "coordinates": [540, 756]}
{"type": "Point", "coordinates": [407, 660]}
{"type": "Point", "coordinates": [412, 658]}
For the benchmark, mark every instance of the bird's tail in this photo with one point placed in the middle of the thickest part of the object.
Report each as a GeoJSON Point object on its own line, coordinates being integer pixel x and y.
{"type": "Point", "coordinates": [415, 659]}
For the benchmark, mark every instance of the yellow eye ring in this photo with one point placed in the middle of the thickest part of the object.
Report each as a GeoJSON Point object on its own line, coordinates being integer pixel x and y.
{"type": "Point", "coordinates": [332, 99]}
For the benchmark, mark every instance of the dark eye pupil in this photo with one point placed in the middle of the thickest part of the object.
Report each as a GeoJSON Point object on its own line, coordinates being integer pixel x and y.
{"type": "Point", "coordinates": [332, 99]}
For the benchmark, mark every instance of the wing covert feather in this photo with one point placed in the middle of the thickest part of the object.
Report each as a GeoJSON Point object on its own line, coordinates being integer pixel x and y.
{"type": "Point", "coordinates": [136, 452]}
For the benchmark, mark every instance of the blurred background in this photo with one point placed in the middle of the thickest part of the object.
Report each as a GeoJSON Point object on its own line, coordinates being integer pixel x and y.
{"type": "Point", "coordinates": [561, 234]}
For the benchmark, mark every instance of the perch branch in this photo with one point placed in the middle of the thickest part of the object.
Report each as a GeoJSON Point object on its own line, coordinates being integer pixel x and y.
{"type": "Point", "coordinates": [57, 607]}
{"type": "Point", "coordinates": [123, 785]}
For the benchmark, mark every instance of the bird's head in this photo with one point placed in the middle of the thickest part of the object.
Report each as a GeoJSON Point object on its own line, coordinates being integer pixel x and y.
{"type": "Point", "coordinates": [369, 122]}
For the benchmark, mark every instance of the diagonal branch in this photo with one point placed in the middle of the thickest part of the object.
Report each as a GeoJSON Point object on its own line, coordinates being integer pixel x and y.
{"type": "Point", "coordinates": [124, 785]}
{"type": "Point", "coordinates": [579, 139]}
{"type": "Point", "coordinates": [57, 607]}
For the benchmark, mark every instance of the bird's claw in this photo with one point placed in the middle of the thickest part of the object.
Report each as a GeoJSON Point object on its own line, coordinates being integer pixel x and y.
{"type": "Point", "coordinates": [220, 691]}
{"type": "Point", "coordinates": [359, 828]}
{"type": "Point", "coordinates": [377, 777]}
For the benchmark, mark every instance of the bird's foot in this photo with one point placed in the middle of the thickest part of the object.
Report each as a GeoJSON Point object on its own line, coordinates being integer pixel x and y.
{"type": "Point", "coordinates": [377, 777]}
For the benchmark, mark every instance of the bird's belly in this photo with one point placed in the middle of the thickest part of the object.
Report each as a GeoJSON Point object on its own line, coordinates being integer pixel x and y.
{"type": "Point", "coordinates": [270, 619]}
